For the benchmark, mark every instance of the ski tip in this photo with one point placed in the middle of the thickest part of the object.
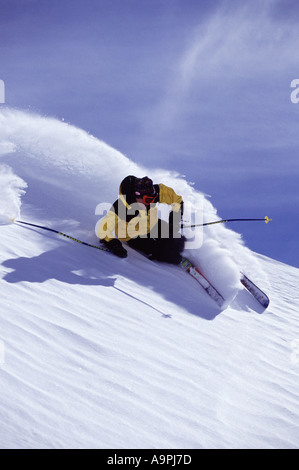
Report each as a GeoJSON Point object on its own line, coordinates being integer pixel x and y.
{"type": "Point", "coordinates": [266, 304]}
{"type": "Point", "coordinates": [257, 293]}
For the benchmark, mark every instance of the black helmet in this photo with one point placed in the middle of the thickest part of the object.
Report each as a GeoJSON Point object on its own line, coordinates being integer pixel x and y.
{"type": "Point", "coordinates": [144, 187]}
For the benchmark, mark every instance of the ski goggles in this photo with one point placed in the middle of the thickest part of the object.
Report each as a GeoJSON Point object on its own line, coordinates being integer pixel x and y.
{"type": "Point", "coordinates": [147, 199]}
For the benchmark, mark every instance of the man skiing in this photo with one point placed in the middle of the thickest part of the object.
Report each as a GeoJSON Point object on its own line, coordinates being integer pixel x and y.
{"type": "Point", "coordinates": [133, 218]}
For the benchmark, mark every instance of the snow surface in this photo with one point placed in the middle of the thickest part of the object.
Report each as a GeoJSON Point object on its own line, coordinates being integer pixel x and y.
{"type": "Point", "coordinates": [101, 352]}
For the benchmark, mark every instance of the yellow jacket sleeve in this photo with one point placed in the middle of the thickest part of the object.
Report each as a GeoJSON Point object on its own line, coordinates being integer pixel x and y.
{"type": "Point", "coordinates": [168, 196]}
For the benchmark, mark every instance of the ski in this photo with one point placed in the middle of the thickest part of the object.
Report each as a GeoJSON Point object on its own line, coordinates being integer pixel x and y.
{"type": "Point", "coordinates": [257, 293]}
{"type": "Point", "coordinates": [187, 266]}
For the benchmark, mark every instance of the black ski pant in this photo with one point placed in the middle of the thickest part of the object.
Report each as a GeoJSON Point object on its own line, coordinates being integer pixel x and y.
{"type": "Point", "coordinates": [165, 246]}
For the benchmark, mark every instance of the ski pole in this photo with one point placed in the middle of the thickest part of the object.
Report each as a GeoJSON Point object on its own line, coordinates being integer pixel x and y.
{"type": "Point", "coordinates": [265, 219]}
{"type": "Point", "coordinates": [63, 235]}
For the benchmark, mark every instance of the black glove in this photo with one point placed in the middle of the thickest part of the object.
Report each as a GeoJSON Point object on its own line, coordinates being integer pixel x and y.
{"type": "Point", "coordinates": [116, 247]}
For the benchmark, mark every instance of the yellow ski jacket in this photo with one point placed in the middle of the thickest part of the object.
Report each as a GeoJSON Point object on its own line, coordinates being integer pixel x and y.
{"type": "Point", "coordinates": [127, 219]}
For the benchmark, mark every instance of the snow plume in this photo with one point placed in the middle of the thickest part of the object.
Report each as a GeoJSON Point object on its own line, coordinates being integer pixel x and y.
{"type": "Point", "coordinates": [11, 189]}
{"type": "Point", "coordinates": [63, 163]}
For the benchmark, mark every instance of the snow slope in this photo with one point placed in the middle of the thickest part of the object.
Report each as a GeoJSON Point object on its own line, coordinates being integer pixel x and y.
{"type": "Point", "coordinates": [98, 352]}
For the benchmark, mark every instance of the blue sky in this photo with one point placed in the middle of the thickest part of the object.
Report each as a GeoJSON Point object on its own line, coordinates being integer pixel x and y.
{"type": "Point", "coordinates": [196, 86]}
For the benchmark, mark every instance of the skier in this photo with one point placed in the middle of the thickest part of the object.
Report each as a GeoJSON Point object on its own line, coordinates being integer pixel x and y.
{"type": "Point", "coordinates": [133, 218]}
